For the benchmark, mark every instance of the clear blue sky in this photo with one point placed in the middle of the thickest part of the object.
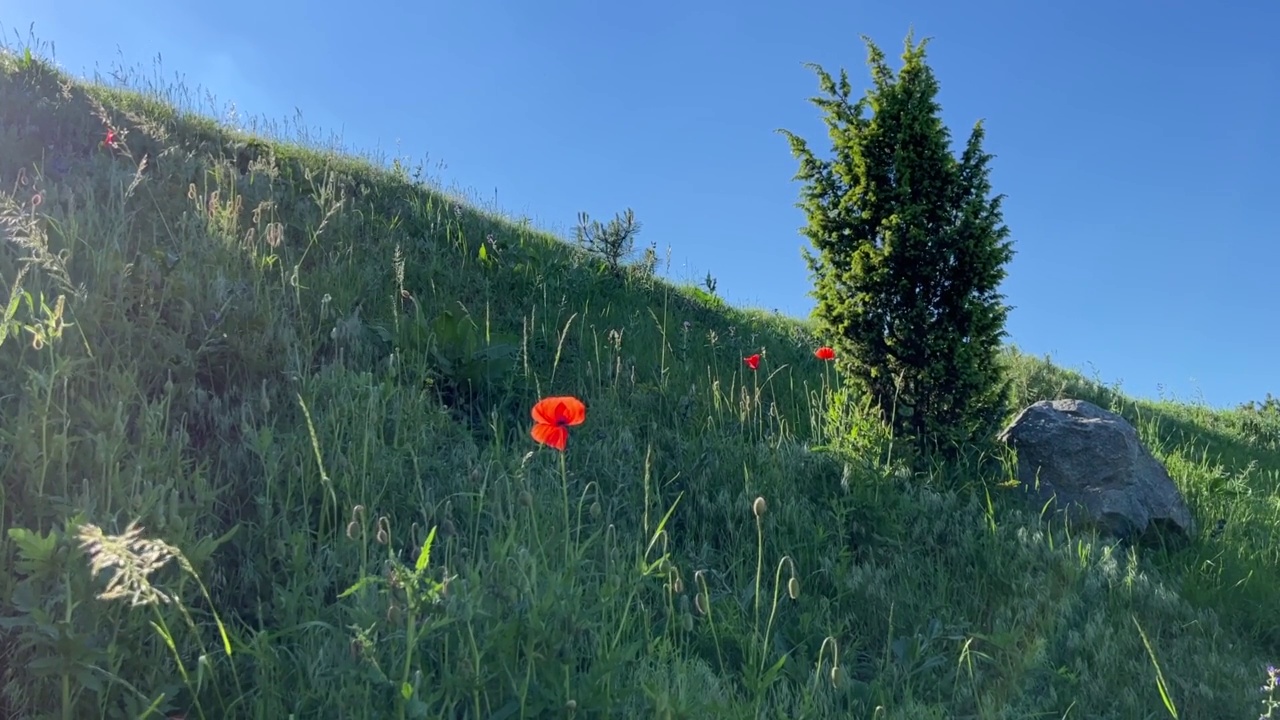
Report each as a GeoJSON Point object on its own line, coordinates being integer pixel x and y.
{"type": "Point", "coordinates": [1136, 141]}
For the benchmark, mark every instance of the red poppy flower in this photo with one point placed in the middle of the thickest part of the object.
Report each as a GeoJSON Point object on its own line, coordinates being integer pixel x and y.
{"type": "Point", "coordinates": [552, 417]}
{"type": "Point", "coordinates": [111, 137]}
{"type": "Point", "coordinates": [825, 353]}
{"type": "Point", "coordinates": [753, 361]}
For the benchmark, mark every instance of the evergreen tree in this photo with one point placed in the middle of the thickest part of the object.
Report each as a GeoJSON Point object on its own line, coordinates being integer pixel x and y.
{"type": "Point", "coordinates": [911, 250]}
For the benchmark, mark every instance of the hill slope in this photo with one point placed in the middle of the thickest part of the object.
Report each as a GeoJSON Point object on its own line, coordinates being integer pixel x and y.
{"type": "Point", "coordinates": [296, 369]}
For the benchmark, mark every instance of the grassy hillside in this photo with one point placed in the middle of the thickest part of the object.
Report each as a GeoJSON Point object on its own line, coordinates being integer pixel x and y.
{"type": "Point", "coordinates": [298, 372]}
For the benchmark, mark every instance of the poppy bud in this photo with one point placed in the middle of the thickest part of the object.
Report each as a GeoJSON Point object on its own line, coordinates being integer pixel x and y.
{"type": "Point", "coordinates": [793, 588]}
{"type": "Point", "coordinates": [758, 507]}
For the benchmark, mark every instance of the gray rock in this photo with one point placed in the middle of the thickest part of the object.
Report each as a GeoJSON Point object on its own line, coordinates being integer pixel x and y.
{"type": "Point", "coordinates": [1093, 464]}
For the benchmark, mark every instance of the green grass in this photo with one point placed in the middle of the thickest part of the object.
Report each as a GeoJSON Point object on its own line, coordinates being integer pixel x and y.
{"type": "Point", "coordinates": [301, 377]}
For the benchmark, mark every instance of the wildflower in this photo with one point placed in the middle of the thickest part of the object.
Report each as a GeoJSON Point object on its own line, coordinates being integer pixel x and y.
{"type": "Point", "coordinates": [752, 361]}
{"type": "Point", "coordinates": [552, 417]}
{"type": "Point", "coordinates": [1269, 703]}
{"type": "Point", "coordinates": [824, 353]}
{"type": "Point", "coordinates": [111, 138]}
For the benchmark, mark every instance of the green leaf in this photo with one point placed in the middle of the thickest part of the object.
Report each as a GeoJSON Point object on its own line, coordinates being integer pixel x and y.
{"type": "Point", "coordinates": [417, 709]}
{"type": "Point", "coordinates": [772, 673]}
{"type": "Point", "coordinates": [35, 551]}
{"type": "Point", "coordinates": [360, 584]}
{"type": "Point", "coordinates": [12, 308]}
{"type": "Point", "coordinates": [406, 690]}
{"type": "Point", "coordinates": [208, 545]}
{"type": "Point", "coordinates": [424, 557]}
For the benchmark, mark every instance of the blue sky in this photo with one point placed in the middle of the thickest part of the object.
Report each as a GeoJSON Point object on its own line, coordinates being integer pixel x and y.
{"type": "Point", "coordinates": [1135, 141]}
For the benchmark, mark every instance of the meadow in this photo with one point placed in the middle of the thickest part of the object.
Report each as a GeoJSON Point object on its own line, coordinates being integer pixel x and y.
{"type": "Point", "coordinates": [266, 453]}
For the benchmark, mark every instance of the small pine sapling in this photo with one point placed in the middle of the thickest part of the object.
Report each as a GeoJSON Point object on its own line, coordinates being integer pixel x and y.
{"type": "Point", "coordinates": [612, 242]}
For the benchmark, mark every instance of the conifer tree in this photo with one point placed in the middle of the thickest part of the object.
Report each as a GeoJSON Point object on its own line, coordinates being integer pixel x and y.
{"type": "Point", "coordinates": [911, 250]}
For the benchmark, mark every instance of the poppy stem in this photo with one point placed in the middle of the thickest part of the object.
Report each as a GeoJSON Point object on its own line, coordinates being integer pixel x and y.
{"type": "Point", "coordinates": [759, 413]}
{"type": "Point", "coordinates": [564, 489]}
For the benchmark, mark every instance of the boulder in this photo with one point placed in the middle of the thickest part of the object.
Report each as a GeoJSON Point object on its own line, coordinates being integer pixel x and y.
{"type": "Point", "coordinates": [1091, 462]}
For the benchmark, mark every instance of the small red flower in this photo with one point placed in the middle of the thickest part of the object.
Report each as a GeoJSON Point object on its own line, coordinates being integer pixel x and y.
{"type": "Point", "coordinates": [752, 361]}
{"type": "Point", "coordinates": [825, 353]}
{"type": "Point", "coordinates": [111, 138]}
{"type": "Point", "coordinates": [552, 418]}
